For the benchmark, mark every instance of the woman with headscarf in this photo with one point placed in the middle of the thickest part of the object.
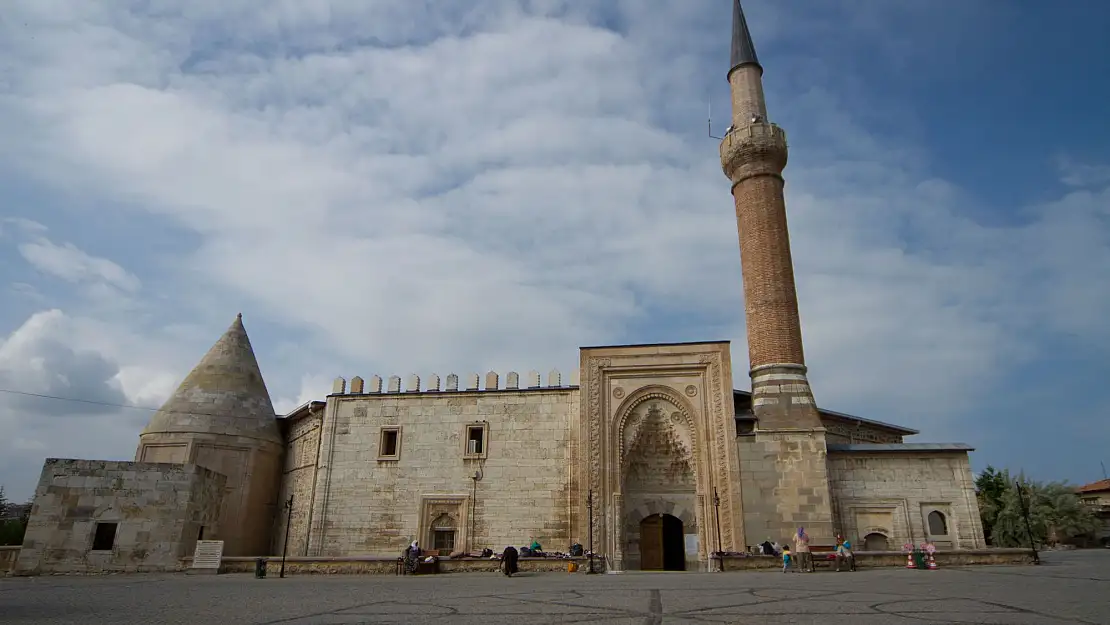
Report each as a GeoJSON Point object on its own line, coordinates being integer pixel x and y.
{"type": "Point", "coordinates": [801, 548]}
{"type": "Point", "coordinates": [508, 561]}
{"type": "Point", "coordinates": [412, 558]}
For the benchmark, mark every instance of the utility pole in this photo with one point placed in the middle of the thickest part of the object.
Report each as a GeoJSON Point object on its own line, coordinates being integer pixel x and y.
{"type": "Point", "coordinates": [1028, 527]}
{"type": "Point", "coordinates": [288, 522]}
{"type": "Point", "coordinates": [590, 507]}
{"type": "Point", "coordinates": [717, 514]}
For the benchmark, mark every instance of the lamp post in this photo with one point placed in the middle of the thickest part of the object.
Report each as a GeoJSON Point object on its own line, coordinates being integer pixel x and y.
{"type": "Point", "coordinates": [288, 521]}
{"type": "Point", "coordinates": [717, 515]}
{"type": "Point", "coordinates": [590, 508]}
{"type": "Point", "coordinates": [1028, 527]}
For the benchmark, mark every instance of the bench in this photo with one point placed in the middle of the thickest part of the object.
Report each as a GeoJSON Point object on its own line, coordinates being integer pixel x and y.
{"type": "Point", "coordinates": [823, 555]}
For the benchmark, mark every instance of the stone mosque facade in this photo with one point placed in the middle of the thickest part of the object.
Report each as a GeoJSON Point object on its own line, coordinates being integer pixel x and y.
{"type": "Point", "coordinates": [646, 452]}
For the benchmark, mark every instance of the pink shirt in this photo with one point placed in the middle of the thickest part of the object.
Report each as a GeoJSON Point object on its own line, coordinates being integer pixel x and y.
{"type": "Point", "coordinates": [801, 544]}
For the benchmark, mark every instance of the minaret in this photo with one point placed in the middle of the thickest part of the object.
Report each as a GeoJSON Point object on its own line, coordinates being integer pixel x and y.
{"type": "Point", "coordinates": [753, 156]}
{"type": "Point", "coordinates": [221, 418]}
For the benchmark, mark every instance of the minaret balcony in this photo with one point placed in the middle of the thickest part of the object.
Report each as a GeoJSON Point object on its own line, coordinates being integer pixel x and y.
{"type": "Point", "coordinates": [753, 149]}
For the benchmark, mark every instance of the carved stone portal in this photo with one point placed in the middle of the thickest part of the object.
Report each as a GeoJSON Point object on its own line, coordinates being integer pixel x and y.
{"type": "Point", "coordinates": [658, 449]}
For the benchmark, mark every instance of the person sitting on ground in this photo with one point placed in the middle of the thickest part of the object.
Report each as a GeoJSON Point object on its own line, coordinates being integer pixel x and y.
{"type": "Point", "coordinates": [844, 555]}
{"type": "Point", "coordinates": [767, 548]}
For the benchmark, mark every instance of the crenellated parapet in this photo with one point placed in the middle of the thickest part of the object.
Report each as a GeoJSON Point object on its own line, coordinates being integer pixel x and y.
{"type": "Point", "coordinates": [473, 382]}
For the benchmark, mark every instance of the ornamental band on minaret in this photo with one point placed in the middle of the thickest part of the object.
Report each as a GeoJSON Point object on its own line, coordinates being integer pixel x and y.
{"type": "Point", "coordinates": [753, 155]}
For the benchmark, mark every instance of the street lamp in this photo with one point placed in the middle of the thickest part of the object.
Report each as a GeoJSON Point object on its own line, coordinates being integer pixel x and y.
{"type": "Point", "coordinates": [1025, 514]}
{"type": "Point", "coordinates": [288, 521]}
{"type": "Point", "coordinates": [590, 507]}
{"type": "Point", "coordinates": [717, 515]}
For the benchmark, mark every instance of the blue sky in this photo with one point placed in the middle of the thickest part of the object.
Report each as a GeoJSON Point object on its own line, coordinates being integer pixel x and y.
{"type": "Point", "coordinates": [398, 187]}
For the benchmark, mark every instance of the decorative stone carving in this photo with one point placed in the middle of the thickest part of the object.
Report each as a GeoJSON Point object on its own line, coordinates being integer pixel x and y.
{"type": "Point", "coordinates": [356, 385]}
{"type": "Point", "coordinates": [720, 459]}
{"type": "Point", "coordinates": [593, 449]}
{"type": "Point", "coordinates": [433, 383]}
{"type": "Point", "coordinates": [618, 393]}
{"type": "Point", "coordinates": [339, 386]}
{"type": "Point", "coordinates": [394, 384]}
{"type": "Point", "coordinates": [452, 382]}
{"type": "Point", "coordinates": [491, 381]}
{"type": "Point", "coordinates": [533, 379]}
{"type": "Point", "coordinates": [554, 379]}
{"type": "Point", "coordinates": [414, 384]}
{"type": "Point", "coordinates": [512, 381]}
{"type": "Point", "coordinates": [691, 390]}
{"type": "Point", "coordinates": [375, 384]}
{"type": "Point", "coordinates": [472, 382]}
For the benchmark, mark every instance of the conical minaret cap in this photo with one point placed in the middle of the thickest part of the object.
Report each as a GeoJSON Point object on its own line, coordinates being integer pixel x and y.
{"type": "Point", "coordinates": [223, 395]}
{"type": "Point", "coordinates": [743, 50]}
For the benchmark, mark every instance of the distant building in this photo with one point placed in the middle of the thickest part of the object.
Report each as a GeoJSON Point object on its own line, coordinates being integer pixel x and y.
{"type": "Point", "coordinates": [1096, 496]}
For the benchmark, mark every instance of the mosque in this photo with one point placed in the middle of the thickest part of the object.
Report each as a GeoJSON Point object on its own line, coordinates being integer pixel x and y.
{"type": "Point", "coordinates": [646, 451]}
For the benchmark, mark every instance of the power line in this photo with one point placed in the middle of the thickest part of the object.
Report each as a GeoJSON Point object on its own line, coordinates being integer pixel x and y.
{"type": "Point", "coordinates": [114, 405]}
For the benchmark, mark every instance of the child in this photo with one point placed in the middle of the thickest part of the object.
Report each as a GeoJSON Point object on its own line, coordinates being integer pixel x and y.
{"type": "Point", "coordinates": [785, 558]}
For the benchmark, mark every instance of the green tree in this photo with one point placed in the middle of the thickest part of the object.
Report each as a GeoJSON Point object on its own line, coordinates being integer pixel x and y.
{"type": "Point", "coordinates": [11, 530]}
{"type": "Point", "coordinates": [990, 486]}
{"type": "Point", "coordinates": [1055, 514]}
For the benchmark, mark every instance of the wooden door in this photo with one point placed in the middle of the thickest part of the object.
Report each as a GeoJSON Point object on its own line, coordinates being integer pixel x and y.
{"type": "Point", "coordinates": [651, 543]}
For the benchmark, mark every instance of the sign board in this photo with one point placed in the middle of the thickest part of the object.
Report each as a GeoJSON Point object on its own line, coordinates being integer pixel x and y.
{"type": "Point", "coordinates": [692, 545]}
{"type": "Point", "coordinates": [208, 555]}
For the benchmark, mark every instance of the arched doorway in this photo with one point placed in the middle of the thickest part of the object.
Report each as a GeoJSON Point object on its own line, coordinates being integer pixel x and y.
{"type": "Point", "coordinates": [662, 547]}
{"type": "Point", "coordinates": [875, 542]}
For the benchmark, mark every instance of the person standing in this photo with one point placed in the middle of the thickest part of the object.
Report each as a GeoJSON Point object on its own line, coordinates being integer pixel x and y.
{"type": "Point", "coordinates": [785, 559]}
{"type": "Point", "coordinates": [801, 547]}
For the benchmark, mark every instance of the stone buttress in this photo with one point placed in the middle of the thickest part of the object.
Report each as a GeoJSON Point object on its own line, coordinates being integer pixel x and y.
{"type": "Point", "coordinates": [221, 418]}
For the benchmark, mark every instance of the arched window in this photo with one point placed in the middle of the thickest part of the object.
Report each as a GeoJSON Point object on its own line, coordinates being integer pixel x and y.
{"type": "Point", "coordinates": [938, 525]}
{"type": "Point", "coordinates": [875, 542]}
{"type": "Point", "coordinates": [443, 534]}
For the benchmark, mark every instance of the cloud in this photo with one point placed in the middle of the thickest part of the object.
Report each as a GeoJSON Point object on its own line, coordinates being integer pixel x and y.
{"type": "Point", "coordinates": [392, 188]}
{"type": "Point", "coordinates": [73, 265]}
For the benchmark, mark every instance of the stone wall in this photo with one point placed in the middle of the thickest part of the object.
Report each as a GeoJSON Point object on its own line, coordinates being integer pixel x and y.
{"type": "Point", "coordinates": [8, 556]}
{"type": "Point", "coordinates": [783, 485]}
{"type": "Point", "coordinates": [302, 449]}
{"type": "Point", "coordinates": [893, 495]}
{"type": "Point", "coordinates": [366, 502]}
{"type": "Point", "coordinates": [158, 511]}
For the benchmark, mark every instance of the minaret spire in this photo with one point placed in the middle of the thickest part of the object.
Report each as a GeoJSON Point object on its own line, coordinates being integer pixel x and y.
{"type": "Point", "coordinates": [743, 50]}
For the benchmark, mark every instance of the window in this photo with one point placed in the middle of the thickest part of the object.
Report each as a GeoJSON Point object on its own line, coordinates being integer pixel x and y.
{"type": "Point", "coordinates": [443, 541]}
{"type": "Point", "coordinates": [938, 525]}
{"type": "Point", "coordinates": [476, 440]}
{"type": "Point", "coordinates": [105, 537]}
{"type": "Point", "coordinates": [389, 446]}
{"type": "Point", "coordinates": [745, 427]}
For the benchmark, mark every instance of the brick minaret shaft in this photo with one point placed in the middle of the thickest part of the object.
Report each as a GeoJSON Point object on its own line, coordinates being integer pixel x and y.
{"type": "Point", "coordinates": [753, 155]}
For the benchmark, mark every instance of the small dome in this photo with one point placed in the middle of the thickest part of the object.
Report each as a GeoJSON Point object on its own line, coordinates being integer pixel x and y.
{"type": "Point", "coordinates": [224, 394]}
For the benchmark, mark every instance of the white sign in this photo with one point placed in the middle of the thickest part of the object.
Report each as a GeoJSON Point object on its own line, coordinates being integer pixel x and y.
{"type": "Point", "coordinates": [692, 545]}
{"type": "Point", "coordinates": [208, 554]}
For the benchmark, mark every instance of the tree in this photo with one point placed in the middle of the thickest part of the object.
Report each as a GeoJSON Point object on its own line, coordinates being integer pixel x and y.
{"type": "Point", "coordinates": [11, 530]}
{"type": "Point", "coordinates": [990, 486]}
{"type": "Point", "coordinates": [1055, 514]}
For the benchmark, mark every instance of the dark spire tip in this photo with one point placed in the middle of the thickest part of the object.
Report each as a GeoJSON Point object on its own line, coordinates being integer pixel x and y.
{"type": "Point", "coordinates": [743, 50]}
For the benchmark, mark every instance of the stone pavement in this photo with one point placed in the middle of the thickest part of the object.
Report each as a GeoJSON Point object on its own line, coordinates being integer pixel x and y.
{"type": "Point", "coordinates": [1071, 587]}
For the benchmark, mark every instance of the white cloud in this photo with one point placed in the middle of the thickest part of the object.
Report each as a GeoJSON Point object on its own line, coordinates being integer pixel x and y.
{"type": "Point", "coordinates": [396, 189]}
{"type": "Point", "coordinates": [72, 264]}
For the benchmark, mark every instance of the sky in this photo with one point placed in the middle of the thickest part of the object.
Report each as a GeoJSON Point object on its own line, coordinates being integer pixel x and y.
{"type": "Point", "coordinates": [406, 186]}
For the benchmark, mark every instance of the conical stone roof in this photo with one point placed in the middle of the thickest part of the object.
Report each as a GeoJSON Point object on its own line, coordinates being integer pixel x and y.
{"type": "Point", "coordinates": [224, 394]}
{"type": "Point", "coordinates": [743, 50]}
